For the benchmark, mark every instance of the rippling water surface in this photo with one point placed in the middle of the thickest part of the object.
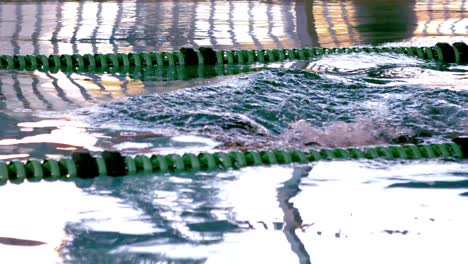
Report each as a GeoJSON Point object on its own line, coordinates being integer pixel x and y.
{"type": "Point", "coordinates": [324, 212]}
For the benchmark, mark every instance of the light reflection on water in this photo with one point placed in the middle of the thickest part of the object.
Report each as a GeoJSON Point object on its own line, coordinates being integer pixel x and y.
{"type": "Point", "coordinates": [135, 26]}
{"type": "Point", "coordinates": [346, 211]}
{"type": "Point", "coordinates": [352, 213]}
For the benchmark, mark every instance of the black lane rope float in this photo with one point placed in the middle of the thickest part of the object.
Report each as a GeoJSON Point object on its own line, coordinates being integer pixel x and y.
{"type": "Point", "coordinates": [84, 165]}
{"type": "Point", "coordinates": [100, 63]}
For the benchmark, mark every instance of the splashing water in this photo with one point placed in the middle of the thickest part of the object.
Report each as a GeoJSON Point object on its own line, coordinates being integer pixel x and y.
{"type": "Point", "coordinates": [362, 132]}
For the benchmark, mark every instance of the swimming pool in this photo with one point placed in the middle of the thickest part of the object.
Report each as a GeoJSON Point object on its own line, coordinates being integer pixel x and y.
{"type": "Point", "coordinates": [324, 212]}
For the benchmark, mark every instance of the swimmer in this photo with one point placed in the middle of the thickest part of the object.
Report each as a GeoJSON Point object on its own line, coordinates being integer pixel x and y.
{"type": "Point", "coordinates": [301, 134]}
{"type": "Point", "coordinates": [238, 132]}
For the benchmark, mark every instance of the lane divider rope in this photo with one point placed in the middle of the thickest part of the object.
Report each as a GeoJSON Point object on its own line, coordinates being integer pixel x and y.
{"type": "Point", "coordinates": [100, 63]}
{"type": "Point", "coordinates": [84, 165]}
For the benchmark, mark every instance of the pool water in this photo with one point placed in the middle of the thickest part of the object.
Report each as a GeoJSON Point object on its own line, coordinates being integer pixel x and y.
{"type": "Point", "coordinates": [324, 212]}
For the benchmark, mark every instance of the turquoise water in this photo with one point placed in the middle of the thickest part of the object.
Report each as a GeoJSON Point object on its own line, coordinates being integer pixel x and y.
{"type": "Point", "coordinates": [324, 212]}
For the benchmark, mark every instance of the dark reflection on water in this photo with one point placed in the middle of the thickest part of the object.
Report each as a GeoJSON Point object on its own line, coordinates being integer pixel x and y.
{"type": "Point", "coordinates": [292, 218]}
{"type": "Point", "coordinates": [19, 242]}
{"type": "Point", "coordinates": [385, 21]}
{"type": "Point", "coordinates": [463, 184]}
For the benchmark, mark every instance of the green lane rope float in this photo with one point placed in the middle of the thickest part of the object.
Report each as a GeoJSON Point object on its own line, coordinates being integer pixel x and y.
{"type": "Point", "coordinates": [84, 165]}
{"type": "Point", "coordinates": [100, 63]}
